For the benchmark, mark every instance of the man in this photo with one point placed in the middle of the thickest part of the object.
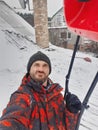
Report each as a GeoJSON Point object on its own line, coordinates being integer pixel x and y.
{"type": "Point", "coordinates": [38, 103]}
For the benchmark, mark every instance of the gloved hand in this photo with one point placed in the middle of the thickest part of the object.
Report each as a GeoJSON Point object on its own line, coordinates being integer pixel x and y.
{"type": "Point", "coordinates": [73, 103]}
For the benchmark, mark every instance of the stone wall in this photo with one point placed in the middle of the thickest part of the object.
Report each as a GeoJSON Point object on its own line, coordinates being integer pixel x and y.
{"type": "Point", "coordinates": [41, 23]}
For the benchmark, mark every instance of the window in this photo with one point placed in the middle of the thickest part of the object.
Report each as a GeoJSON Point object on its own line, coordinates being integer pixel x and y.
{"type": "Point", "coordinates": [66, 35]}
{"type": "Point", "coordinates": [69, 35]}
{"type": "Point", "coordinates": [63, 34]}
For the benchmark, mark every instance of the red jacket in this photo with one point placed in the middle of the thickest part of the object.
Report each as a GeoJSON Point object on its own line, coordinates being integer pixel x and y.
{"type": "Point", "coordinates": [33, 107]}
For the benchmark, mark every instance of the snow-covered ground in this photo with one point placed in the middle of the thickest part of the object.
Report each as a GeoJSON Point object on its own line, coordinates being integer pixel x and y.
{"type": "Point", "coordinates": [15, 50]}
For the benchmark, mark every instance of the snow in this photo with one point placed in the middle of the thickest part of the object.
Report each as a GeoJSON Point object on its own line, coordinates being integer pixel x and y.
{"type": "Point", "coordinates": [15, 50]}
{"type": "Point", "coordinates": [13, 20]}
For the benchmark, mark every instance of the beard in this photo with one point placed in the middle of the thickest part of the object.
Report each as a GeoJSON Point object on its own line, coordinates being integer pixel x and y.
{"type": "Point", "coordinates": [39, 76]}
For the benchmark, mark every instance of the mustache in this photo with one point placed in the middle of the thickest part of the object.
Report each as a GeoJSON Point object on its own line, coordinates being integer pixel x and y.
{"type": "Point", "coordinates": [42, 72]}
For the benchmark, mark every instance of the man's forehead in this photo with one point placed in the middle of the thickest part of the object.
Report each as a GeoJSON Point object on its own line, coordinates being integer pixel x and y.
{"type": "Point", "coordinates": [40, 62]}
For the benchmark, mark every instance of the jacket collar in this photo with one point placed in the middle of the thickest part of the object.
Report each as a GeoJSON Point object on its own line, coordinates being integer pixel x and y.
{"type": "Point", "coordinates": [38, 87]}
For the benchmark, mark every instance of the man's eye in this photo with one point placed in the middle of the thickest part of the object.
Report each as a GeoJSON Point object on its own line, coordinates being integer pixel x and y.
{"type": "Point", "coordinates": [36, 64]}
{"type": "Point", "coordinates": [45, 65]}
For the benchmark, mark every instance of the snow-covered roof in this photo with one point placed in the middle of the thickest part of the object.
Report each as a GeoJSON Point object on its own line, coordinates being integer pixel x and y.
{"type": "Point", "coordinates": [9, 16]}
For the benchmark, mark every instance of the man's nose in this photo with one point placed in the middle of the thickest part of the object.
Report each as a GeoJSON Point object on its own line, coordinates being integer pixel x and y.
{"type": "Point", "coordinates": [41, 68]}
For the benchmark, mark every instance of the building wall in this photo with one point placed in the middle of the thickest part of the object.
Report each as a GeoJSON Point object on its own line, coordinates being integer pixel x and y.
{"type": "Point", "coordinates": [58, 19]}
{"type": "Point", "coordinates": [59, 36]}
{"type": "Point", "coordinates": [59, 33]}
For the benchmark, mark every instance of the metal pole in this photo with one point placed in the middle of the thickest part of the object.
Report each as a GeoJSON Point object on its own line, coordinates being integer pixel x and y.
{"type": "Point", "coordinates": [85, 101]}
{"type": "Point", "coordinates": [70, 67]}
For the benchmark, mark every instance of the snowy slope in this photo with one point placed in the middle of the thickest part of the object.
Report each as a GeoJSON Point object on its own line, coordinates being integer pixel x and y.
{"type": "Point", "coordinates": [8, 16]}
{"type": "Point", "coordinates": [13, 66]}
{"type": "Point", "coordinates": [15, 50]}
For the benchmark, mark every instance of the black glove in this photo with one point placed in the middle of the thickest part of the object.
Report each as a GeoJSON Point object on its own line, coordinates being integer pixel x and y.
{"type": "Point", "coordinates": [73, 103]}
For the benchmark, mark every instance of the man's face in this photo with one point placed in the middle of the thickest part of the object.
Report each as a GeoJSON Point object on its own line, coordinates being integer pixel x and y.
{"type": "Point", "coordinates": [39, 71]}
